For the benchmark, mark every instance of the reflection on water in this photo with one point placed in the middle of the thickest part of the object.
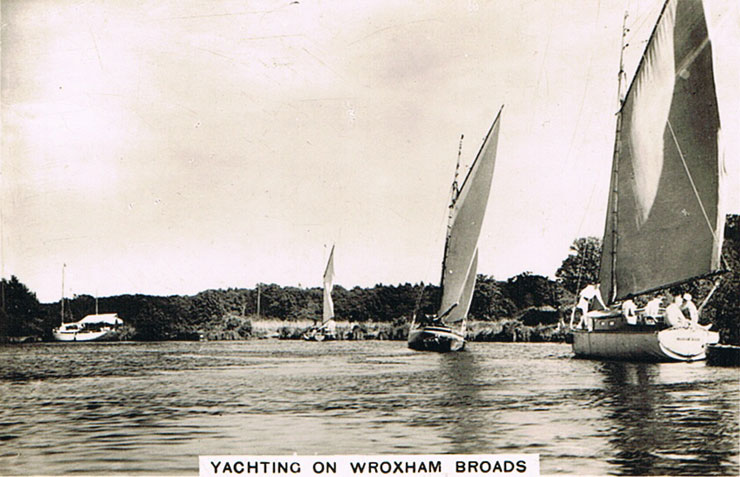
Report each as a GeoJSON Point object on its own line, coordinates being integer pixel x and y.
{"type": "Point", "coordinates": [660, 425]}
{"type": "Point", "coordinates": [462, 400]}
{"type": "Point", "coordinates": [154, 407]}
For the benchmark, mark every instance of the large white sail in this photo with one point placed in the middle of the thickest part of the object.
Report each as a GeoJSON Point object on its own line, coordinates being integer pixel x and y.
{"type": "Point", "coordinates": [460, 312]}
{"type": "Point", "coordinates": [328, 285]}
{"type": "Point", "coordinates": [664, 224]}
{"type": "Point", "coordinates": [466, 219]}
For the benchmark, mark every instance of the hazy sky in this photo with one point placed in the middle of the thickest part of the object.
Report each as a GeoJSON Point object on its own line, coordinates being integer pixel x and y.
{"type": "Point", "coordinates": [167, 147]}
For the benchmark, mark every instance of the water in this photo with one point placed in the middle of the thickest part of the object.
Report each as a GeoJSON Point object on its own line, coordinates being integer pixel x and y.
{"type": "Point", "coordinates": [152, 408]}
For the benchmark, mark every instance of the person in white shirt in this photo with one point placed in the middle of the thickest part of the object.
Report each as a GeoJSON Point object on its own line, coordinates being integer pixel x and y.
{"type": "Point", "coordinates": [690, 308]}
{"type": "Point", "coordinates": [585, 297]}
{"type": "Point", "coordinates": [673, 315]}
{"type": "Point", "coordinates": [652, 310]}
{"type": "Point", "coordinates": [629, 310]}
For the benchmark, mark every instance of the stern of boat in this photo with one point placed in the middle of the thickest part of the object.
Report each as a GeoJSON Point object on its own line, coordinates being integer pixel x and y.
{"type": "Point", "coordinates": [688, 343]}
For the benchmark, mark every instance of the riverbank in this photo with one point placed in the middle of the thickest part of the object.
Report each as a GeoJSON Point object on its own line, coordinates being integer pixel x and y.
{"type": "Point", "coordinates": [507, 330]}
{"type": "Point", "coordinates": [238, 328]}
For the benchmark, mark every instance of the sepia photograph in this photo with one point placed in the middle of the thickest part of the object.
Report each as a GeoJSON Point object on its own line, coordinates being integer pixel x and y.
{"type": "Point", "coordinates": [323, 237]}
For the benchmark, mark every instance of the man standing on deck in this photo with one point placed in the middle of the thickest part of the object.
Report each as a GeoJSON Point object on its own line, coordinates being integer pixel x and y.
{"type": "Point", "coordinates": [584, 301]}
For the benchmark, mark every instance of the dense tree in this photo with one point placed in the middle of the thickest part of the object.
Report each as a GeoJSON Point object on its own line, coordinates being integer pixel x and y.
{"type": "Point", "coordinates": [22, 312]}
{"type": "Point", "coordinates": [581, 266]}
{"type": "Point", "coordinates": [725, 303]}
{"type": "Point", "coordinates": [527, 290]}
{"type": "Point", "coordinates": [490, 300]}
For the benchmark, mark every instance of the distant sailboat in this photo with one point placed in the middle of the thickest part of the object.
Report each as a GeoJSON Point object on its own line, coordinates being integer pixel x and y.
{"type": "Point", "coordinates": [446, 331]}
{"type": "Point", "coordinates": [95, 327]}
{"type": "Point", "coordinates": [327, 330]}
{"type": "Point", "coordinates": [664, 223]}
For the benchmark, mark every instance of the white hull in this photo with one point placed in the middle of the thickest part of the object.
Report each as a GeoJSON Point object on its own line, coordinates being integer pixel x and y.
{"type": "Point", "coordinates": [435, 338]}
{"type": "Point", "coordinates": [83, 335]}
{"type": "Point", "coordinates": [672, 344]}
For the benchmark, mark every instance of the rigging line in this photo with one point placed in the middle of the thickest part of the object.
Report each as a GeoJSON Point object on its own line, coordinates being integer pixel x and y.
{"type": "Point", "coordinates": [693, 185]}
{"type": "Point", "coordinates": [585, 89]}
{"type": "Point", "coordinates": [442, 223]}
{"type": "Point", "coordinates": [647, 16]}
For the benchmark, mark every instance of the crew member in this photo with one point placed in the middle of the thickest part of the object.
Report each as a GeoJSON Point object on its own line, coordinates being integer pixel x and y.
{"type": "Point", "coordinates": [690, 308]}
{"type": "Point", "coordinates": [629, 310]}
{"type": "Point", "coordinates": [585, 299]}
{"type": "Point", "coordinates": [652, 310]}
{"type": "Point", "coordinates": [673, 315]}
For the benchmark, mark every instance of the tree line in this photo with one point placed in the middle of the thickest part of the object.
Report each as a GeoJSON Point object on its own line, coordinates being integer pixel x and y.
{"type": "Point", "coordinates": [533, 299]}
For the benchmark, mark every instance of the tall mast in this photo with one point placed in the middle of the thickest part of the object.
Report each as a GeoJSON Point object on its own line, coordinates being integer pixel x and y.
{"type": "Point", "coordinates": [455, 190]}
{"type": "Point", "coordinates": [64, 265]}
{"type": "Point", "coordinates": [453, 194]}
{"type": "Point", "coordinates": [615, 160]}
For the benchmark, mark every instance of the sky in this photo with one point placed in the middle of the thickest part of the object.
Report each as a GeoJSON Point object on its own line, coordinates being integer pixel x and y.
{"type": "Point", "coordinates": [168, 147]}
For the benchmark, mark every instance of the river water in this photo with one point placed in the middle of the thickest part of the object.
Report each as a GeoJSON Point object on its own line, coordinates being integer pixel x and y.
{"type": "Point", "coordinates": [152, 408]}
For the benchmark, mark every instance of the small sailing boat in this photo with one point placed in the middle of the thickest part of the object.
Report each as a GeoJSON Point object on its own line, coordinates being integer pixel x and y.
{"type": "Point", "coordinates": [664, 223]}
{"type": "Point", "coordinates": [446, 330]}
{"type": "Point", "coordinates": [327, 330]}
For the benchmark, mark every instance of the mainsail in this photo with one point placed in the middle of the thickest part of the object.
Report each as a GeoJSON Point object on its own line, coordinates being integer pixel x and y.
{"type": "Point", "coordinates": [664, 223]}
{"type": "Point", "coordinates": [328, 285]}
{"type": "Point", "coordinates": [466, 297]}
{"type": "Point", "coordinates": [466, 217]}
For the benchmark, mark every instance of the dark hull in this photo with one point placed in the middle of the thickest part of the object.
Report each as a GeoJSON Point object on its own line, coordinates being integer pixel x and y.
{"type": "Point", "coordinates": [435, 338]}
{"type": "Point", "coordinates": [318, 335]}
{"type": "Point", "coordinates": [723, 355]}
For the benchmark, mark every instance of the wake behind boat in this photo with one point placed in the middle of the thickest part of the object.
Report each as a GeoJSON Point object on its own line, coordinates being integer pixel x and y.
{"type": "Point", "coordinates": [446, 331]}
{"type": "Point", "coordinates": [664, 224]}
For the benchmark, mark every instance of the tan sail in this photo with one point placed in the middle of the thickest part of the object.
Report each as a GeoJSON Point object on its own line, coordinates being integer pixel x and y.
{"type": "Point", "coordinates": [664, 224]}
{"type": "Point", "coordinates": [466, 219]}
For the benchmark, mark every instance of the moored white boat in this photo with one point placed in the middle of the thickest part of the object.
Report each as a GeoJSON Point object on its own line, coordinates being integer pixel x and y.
{"type": "Point", "coordinates": [97, 327]}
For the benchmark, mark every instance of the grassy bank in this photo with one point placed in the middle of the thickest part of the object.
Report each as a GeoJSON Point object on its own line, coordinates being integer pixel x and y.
{"type": "Point", "coordinates": [497, 331]}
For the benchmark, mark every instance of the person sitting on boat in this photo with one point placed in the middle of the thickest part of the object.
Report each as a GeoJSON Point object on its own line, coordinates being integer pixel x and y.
{"type": "Point", "coordinates": [674, 317]}
{"type": "Point", "coordinates": [428, 320]}
{"type": "Point", "coordinates": [652, 310]}
{"type": "Point", "coordinates": [690, 308]}
{"type": "Point", "coordinates": [629, 310]}
{"type": "Point", "coordinates": [585, 298]}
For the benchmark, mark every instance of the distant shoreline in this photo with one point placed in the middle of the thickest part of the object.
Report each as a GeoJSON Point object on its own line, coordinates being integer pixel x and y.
{"type": "Point", "coordinates": [505, 330]}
